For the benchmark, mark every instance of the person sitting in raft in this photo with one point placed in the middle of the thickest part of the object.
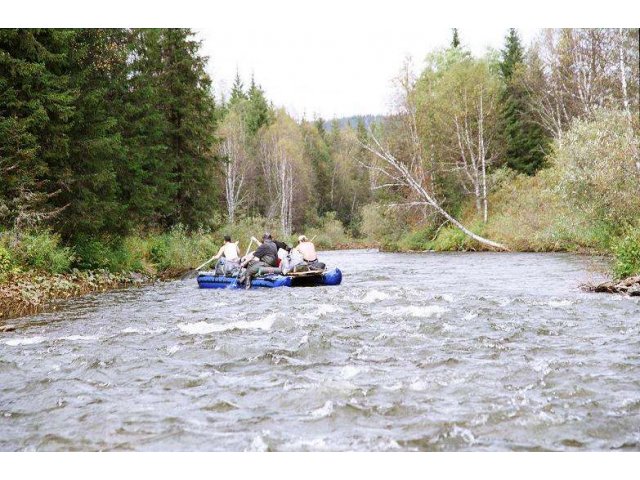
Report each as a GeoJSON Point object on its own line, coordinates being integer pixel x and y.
{"type": "Point", "coordinates": [282, 248]}
{"type": "Point", "coordinates": [229, 257]}
{"type": "Point", "coordinates": [262, 261]}
{"type": "Point", "coordinates": [307, 249]}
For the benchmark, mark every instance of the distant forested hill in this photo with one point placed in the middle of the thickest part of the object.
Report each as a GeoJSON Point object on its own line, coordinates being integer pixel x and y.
{"type": "Point", "coordinates": [353, 121]}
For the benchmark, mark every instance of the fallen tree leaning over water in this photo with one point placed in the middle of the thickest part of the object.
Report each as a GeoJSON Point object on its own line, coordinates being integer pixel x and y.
{"type": "Point", "coordinates": [402, 175]}
{"type": "Point", "coordinates": [629, 286]}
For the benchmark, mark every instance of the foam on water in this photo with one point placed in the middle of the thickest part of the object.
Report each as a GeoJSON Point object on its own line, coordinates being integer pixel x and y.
{"type": "Point", "coordinates": [420, 311]}
{"type": "Point", "coordinates": [392, 388]}
{"type": "Point", "coordinates": [418, 385]}
{"type": "Point", "coordinates": [327, 308]}
{"type": "Point", "coordinates": [25, 341]}
{"type": "Point", "coordinates": [324, 411]}
{"type": "Point", "coordinates": [258, 445]}
{"type": "Point", "coordinates": [559, 303]}
{"type": "Point", "coordinates": [203, 328]}
{"type": "Point", "coordinates": [79, 338]}
{"type": "Point", "coordinates": [350, 371]}
{"type": "Point", "coordinates": [130, 330]}
{"type": "Point", "coordinates": [374, 296]}
{"type": "Point", "coordinates": [463, 433]}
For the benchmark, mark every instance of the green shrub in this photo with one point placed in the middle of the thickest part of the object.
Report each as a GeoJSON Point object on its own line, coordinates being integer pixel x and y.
{"type": "Point", "coordinates": [179, 250]}
{"type": "Point", "coordinates": [123, 257]}
{"type": "Point", "coordinates": [417, 240]}
{"type": "Point", "coordinates": [6, 261]}
{"type": "Point", "coordinates": [452, 239]}
{"type": "Point", "coordinates": [42, 251]}
{"type": "Point", "coordinates": [91, 254]}
{"type": "Point", "coordinates": [383, 225]}
{"type": "Point", "coordinates": [626, 251]}
{"type": "Point", "coordinates": [329, 233]}
{"type": "Point", "coordinates": [117, 255]}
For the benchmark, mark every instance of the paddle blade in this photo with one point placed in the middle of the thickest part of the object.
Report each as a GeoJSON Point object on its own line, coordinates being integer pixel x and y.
{"type": "Point", "coordinates": [189, 274]}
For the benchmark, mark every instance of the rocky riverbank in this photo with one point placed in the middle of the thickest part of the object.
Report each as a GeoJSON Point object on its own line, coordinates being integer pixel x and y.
{"type": "Point", "coordinates": [29, 293]}
{"type": "Point", "coordinates": [629, 286]}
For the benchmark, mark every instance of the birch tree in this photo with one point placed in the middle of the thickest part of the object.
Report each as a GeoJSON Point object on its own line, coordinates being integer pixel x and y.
{"type": "Point", "coordinates": [468, 108]}
{"type": "Point", "coordinates": [281, 150]}
{"type": "Point", "coordinates": [234, 149]}
{"type": "Point", "coordinates": [408, 169]}
{"type": "Point", "coordinates": [574, 72]}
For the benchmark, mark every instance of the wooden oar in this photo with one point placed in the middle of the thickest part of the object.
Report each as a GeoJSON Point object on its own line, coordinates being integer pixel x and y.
{"type": "Point", "coordinates": [191, 272]}
{"type": "Point", "coordinates": [249, 246]}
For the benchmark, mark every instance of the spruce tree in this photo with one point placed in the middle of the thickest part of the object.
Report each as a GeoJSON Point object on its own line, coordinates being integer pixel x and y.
{"type": "Point", "coordinates": [259, 112]}
{"type": "Point", "coordinates": [97, 65]}
{"type": "Point", "coordinates": [455, 40]}
{"type": "Point", "coordinates": [36, 105]}
{"type": "Point", "coordinates": [189, 109]}
{"type": "Point", "coordinates": [317, 150]}
{"type": "Point", "coordinates": [237, 90]}
{"type": "Point", "coordinates": [525, 140]}
{"type": "Point", "coordinates": [146, 180]}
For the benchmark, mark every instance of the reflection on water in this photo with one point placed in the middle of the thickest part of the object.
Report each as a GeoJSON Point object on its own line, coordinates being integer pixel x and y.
{"type": "Point", "coordinates": [412, 352]}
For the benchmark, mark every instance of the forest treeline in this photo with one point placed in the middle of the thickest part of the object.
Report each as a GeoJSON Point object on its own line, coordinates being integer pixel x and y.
{"type": "Point", "coordinates": [535, 148]}
{"type": "Point", "coordinates": [114, 150]}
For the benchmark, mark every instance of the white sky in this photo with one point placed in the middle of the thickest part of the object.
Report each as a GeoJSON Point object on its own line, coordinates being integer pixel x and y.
{"type": "Point", "coordinates": [339, 64]}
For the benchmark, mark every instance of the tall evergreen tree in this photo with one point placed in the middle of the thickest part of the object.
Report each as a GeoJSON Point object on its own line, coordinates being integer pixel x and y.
{"type": "Point", "coordinates": [455, 40]}
{"type": "Point", "coordinates": [98, 68]}
{"type": "Point", "coordinates": [189, 108]}
{"type": "Point", "coordinates": [317, 150]}
{"type": "Point", "coordinates": [237, 90]}
{"type": "Point", "coordinates": [146, 180]}
{"type": "Point", "coordinates": [525, 140]}
{"type": "Point", "coordinates": [259, 112]}
{"type": "Point", "coordinates": [36, 104]}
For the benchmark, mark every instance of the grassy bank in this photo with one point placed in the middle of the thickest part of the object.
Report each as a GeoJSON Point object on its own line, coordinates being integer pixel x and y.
{"type": "Point", "coordinates": [521, 222]}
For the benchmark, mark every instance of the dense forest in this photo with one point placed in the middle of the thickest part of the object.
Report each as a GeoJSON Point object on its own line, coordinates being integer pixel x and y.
{"type": "Point", "coordinates": [116, 153]}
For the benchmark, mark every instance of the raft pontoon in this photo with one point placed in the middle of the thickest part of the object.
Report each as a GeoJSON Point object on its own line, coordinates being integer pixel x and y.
{"type": "Point", "coordinates": [297, 279]}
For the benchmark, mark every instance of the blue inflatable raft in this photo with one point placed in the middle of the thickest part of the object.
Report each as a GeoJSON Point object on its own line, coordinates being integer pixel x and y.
{"type": "Point", "coordinates": [309, 279]}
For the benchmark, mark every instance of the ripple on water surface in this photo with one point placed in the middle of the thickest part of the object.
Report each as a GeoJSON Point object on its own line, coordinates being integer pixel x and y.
{"type": "Point", "coordinates": [412, 352]}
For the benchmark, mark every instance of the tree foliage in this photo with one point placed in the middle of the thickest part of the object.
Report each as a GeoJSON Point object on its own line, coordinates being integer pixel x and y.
{"type": "Point", "coordinates": [105, 130]}
{"type": "Point", "coordinates": [525, 141]}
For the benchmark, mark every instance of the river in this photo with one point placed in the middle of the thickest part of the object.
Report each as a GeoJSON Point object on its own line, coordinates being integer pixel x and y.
{"type": "Point", "coordinates": [413, 352]}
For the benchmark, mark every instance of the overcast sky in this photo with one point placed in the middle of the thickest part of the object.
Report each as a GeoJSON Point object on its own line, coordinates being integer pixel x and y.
{"type": "Point", "coordinates": [330, 62]}
{"type": "Point", "coordinates": [326, 57]}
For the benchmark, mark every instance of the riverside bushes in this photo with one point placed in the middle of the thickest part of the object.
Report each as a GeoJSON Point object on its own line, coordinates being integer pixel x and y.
{"type": "Point", "coordinates": [582, 202]}
{"type": "Point", "coordinates": [626, 251]}
{"type": "Point", "coordinates": [153, 253]}
{"type": "Point", "coordinates": [40, 251]}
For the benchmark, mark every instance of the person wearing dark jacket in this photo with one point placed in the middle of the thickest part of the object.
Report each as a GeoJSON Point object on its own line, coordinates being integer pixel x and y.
{"type": "Point", "coordinates": [267, 252]}
{"type": "Point", "coordinates": [263, 260]}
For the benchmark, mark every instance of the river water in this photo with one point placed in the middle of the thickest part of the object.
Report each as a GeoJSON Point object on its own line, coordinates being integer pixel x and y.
{"type": "Point", "coordinates": [412, 352]}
